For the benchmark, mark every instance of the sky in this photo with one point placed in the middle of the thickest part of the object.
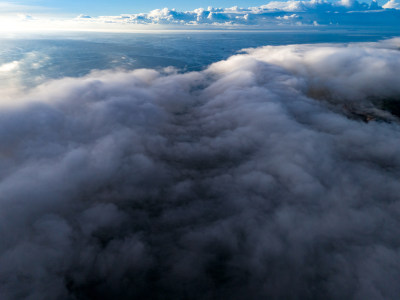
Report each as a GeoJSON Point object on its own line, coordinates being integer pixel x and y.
{"type": "Point", "coordinates": [105, 7]}
{"type": "Point", "coordinates": [126, 16]}
{"type": "Point", "coordinates": [270, 174]}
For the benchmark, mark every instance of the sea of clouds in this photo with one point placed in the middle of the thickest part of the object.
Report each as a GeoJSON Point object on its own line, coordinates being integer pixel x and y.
{"type": "Point", "coordinates": [271, 175]}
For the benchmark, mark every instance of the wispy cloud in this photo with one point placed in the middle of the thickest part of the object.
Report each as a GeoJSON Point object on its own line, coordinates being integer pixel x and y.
{"type": "Point", "coordinates": [395, 4]}
{"type": "Point", "coordinates": [12, 8]}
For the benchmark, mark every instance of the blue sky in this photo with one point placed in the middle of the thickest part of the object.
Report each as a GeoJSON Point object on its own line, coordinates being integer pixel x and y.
{"type": "Point", "coordinates": [107, 7]}
{"type": "Point", "coordinates": [70, 8]}
{"type": "Point", "coordinates": [106, 15]}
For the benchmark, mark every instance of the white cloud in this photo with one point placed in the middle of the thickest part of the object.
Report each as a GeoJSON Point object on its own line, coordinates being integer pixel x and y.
{"type": "Point", "coordinates": [308, 13]}
{"type": "Point", "coordinates": [342, 12]}
{"type": "Point", "coordinates": [392, 4]}
{"type": "Point", "coordinates": [7, 67]}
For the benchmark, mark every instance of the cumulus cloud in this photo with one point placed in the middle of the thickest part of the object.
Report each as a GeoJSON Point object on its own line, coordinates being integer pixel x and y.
{"type": "Point", "coordinates": [258, 177]}
{"type": "Point", "coordinates": [273, 13]}
{"type": "Point", "coordinates": [345, 12]}
{"type": "Point", "coordinates": [308, 13]}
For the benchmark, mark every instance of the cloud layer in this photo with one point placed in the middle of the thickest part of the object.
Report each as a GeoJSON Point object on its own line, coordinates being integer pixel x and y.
{"type": "Point", "coordinates": [273, 174]}
{"type": "Point", "coordinates": [314, 12]}
{"type": "Point", "coordinates": [274, 15]}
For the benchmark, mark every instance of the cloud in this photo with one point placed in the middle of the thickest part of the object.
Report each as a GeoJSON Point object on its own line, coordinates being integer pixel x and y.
{"type": "Point", "coordinates": [11, 80]}
{"type": "Point", "coordinates": [392, 4]}
{"type": "Point", "coordinates": [7, 67]}
{"type": "Point", "coordinates": [12, 8]}
{"type": "Point", "coordinates": [308, 12]}
{"type": "Point", "coordinates": [275, 13]}
{"type": "Point", "coordinates": [344, 74]}
{"type": "Point", "coordinates": [273, 174]}
{"type": "Point", "coordinates": [83, 17]}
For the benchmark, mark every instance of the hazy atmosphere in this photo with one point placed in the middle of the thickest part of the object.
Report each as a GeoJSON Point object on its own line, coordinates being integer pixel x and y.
{"type": "Point", "coordinates": [243, 150]}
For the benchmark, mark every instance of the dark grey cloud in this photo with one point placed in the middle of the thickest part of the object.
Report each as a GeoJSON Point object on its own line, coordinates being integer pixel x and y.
{"type": "Point", "coordinates": [240, 181]}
